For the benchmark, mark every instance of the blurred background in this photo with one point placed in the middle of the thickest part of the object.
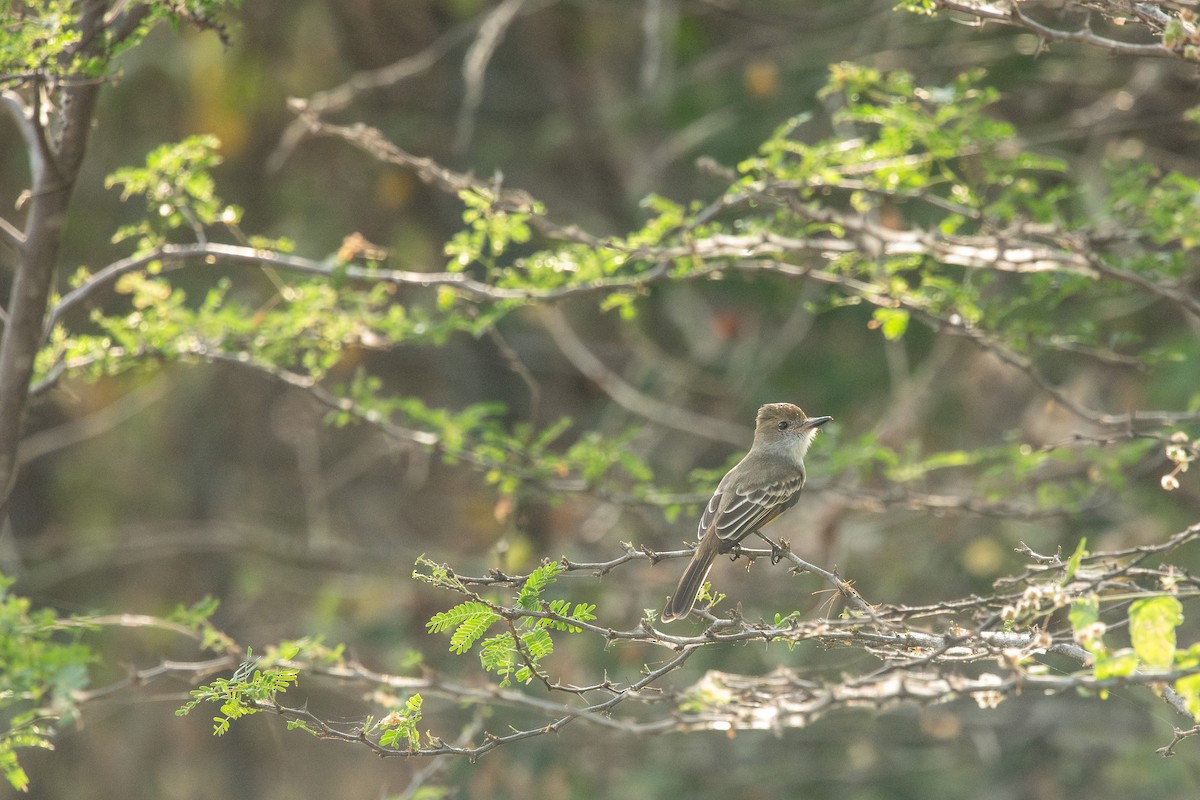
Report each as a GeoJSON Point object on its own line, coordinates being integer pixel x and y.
{"type": "Point", "coordinates": [151, 491]}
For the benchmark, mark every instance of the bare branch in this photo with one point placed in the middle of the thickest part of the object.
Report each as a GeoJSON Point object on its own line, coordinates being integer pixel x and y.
{"type": "Point", "coordinates": [1179, 734]}
{"type": "Point", "coordinates": [341, 96]}
{"type": "Point", "coordinates": [1156, 288]}
{"type": "Point", "coordinates": [94, 424]}
{"type": "Point", "coordinates": [474, 68]}
{"type": "Point", "coordinates": [518, 367]}
{"type": "Point", "coordinates": [22, 116]}
{"type": "Point", "coordinates": [784, 699]}
{"type": "Point", "coordinates": [12, 235]}
{"type": "Point", "coordinates": [629, 398]}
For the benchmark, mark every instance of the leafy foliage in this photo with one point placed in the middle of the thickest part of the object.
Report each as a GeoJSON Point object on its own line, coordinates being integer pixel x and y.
{"type": "Point", "coordinates": [400, 726]}
{"type": "Point", "coordinates": [1153, 622]}
{"type": "Point", "coordinates": [198, 619]}
{"type": "Point", "coordinates": [470, 621]}
{"type": "Point", "coordinates": [39, 45]}
{"type": "Point", "coordinates": [179, 191]}
{"type": "Point", "coordinates": [43, 38]}
{"type": "Point", "coordinates": [930, 159]}
{"type": "Point", "coordinates": [515, 654]}
{"type": "Point", "coordinates": [39, 682]}
{"type": "Point", "coordinates": [249, 690]}
{"type": "Point", "coordinates": [489, 231]}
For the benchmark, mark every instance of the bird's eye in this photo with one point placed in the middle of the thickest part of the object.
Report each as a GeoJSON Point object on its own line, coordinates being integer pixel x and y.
{"type": "Point", "coordinates": [783, 426]}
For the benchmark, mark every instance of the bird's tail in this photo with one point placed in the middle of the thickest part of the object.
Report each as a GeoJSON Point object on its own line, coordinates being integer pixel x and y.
{"type": "Point", "coordinates": [680, 604]}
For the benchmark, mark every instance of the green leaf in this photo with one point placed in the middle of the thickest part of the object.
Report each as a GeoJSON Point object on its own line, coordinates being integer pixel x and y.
{"type": "Point", "coordinates": [892, 322]}
{"type": "Point", "coordinates": [498, 654]}
{"type": "Point", "coordinates": [471, 630]}
{"type": "Point", "coordinates": [400, 727]}
{"type": "Point", "coordinates": [1074, 561]}
{"type": "Point", "coordinates": [241, 695]}
{"type": "Point", "coordinates": [537, 643]}
{"type": "Point", "coordinates": [531, 591]}
{"type": "Point", "coordinates": [1084, 612]}
{"type": "Point", "coordinates": [584, 612]}
{"type": "Point", "coordinates": [1152, 624]}
{"type": "Point", "coordinates": [1188, 688]}
{"type": "Point", "coordinates": [41, 679]}
{"type": "Point", "coordinates": [471, 620]}
{"type": "Point", "coordinates": [1120, 664]}
{"type": "Point", "coordinates": [444, 620]}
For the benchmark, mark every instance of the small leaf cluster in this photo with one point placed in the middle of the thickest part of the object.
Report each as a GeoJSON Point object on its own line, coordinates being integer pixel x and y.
{"type": "Point", "coordinates": [37, 38]}
{"type": "Point", "coordinates": [489, 231]}
{"type": "Point", "coordinates": [517, 653]}
{"type": "Point", "coordinates": [311, 649]}
{"type": "Point", "coordinates": [308, 329]}
{"type": "Point", "coordinates": [400, 726]}
{"type": "Point", "coordinates": [198, 618]}
{"type": "Point", "coordinates": [937, 164]}
{"type": "Point", "coordinates": [486, 244]}
{"type": "Point", "coordinates": [915, 142]}
{"type": "Point", "coordinates": [249, 690]}
{"type": "Point", "coordinates": [179, 191]}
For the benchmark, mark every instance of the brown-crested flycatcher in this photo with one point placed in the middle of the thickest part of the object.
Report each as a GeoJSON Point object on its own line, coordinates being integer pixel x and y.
{"type": "Point", "coordinates": [758, 489]}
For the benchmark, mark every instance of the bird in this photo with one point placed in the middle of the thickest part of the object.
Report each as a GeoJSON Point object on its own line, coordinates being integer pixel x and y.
{"type": "Point", "coordinates": [760, 487]}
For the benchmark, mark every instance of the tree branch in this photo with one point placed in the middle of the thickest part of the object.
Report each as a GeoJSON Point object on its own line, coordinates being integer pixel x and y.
{"type": "Point", "coordinates": [1011, 14]}
{"type": "Point", "coordinates": [48, 206]}
{"type": "Point", "coordinates": [474, 68]}
{"type": "Point", "coordinates": [629, 398]}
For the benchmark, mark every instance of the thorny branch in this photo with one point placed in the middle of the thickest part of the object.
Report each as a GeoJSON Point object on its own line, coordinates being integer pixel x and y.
{"type": "Point", "coordinates": [1179, 734]}
{"type": "Point", "coordinates": [628, 396]}
{"type": "Point", "coordinates": [1155, 18]}
{"type": "Point", "coordinates": [963, 649]}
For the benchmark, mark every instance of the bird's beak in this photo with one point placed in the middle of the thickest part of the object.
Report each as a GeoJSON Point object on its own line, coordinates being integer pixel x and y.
{"type": "Point", "coordinates": [814, 422]}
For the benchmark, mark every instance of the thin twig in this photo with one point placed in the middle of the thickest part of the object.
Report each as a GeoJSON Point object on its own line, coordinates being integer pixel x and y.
{"type": "Point", "coordinates": [474, 68]}
{"type": "Point", "coordinates": [628, 397]}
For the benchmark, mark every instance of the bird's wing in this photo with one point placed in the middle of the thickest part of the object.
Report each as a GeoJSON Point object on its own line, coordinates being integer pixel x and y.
{"type": "Point", "coordinates": [735, 512]}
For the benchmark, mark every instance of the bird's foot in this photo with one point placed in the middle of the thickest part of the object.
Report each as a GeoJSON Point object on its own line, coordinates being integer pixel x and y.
{"type": "Point", "coordinates": [778, 551]}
